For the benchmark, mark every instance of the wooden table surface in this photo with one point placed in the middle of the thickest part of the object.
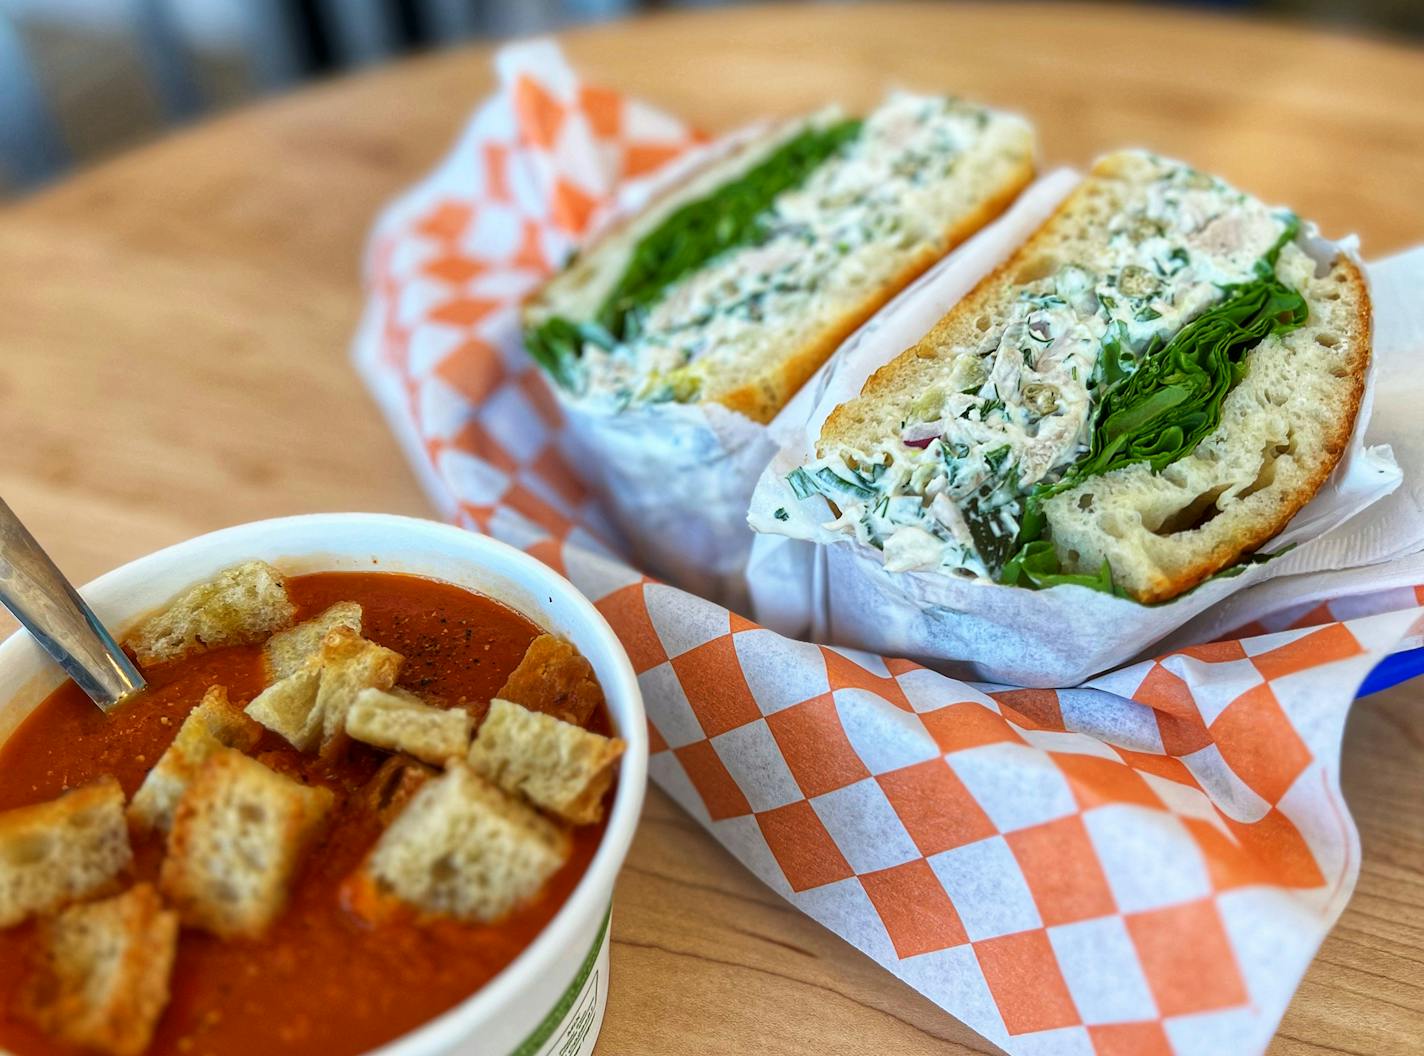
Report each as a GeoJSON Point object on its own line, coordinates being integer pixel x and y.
{"type": "Point", "coordinates": [173, 335]}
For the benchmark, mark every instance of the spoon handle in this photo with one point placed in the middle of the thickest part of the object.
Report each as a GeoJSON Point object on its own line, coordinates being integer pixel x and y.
{"type": "Point", "coordinates": [51, 610]}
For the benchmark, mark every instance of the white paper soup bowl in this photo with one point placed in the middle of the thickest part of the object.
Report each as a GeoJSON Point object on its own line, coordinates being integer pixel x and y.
{"type": "Point", "coordinates": [551, 998]}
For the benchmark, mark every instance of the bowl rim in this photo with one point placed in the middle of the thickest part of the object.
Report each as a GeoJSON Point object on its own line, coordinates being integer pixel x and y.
{"type": "Point", "coordinates": [591, 897]}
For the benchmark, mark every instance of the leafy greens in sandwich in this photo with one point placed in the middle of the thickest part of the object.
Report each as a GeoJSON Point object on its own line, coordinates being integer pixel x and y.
{"type": "Point", "coordinates": [735, 286]}
{"type": "Point", "coordinates": [1145, 393]}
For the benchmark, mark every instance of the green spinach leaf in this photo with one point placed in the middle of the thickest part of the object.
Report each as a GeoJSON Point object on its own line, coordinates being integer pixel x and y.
{"type": "Point", "coordinates": [731, 216]}
{"type": "Point", "coordinates": [1160, 412]}
{"type": "Point", "coordinates": [1036, 565]}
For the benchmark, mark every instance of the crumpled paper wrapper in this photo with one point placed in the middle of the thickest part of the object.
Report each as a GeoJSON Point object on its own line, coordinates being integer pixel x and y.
{"type": "Point", "coordinates": [675, 478]}
{"type": "Point", "coordinates": [1143, 864]}
{"type": "Point", "coordinates": [806, 579]}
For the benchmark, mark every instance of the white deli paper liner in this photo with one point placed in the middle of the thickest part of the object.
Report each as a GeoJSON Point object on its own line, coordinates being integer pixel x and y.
{"type": "Point", "coordinates": [676, 478]}
{"type": "Point", "coordinates": [806, 579]}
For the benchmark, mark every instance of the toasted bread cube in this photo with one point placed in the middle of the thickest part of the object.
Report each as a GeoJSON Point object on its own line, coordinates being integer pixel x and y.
{"type": "Point", "coordinates": [288, 708]}
{"type": "Point", "coordinates": [553, 677]}
{"type": "Point", "coordinates": [215, 723]}
{"type": "Point", "coordinates": [66, 849]}
{"type": "Point", "coordinates": [394, 785]}
{"type": "Point", "coordinates": [309, 707]}
{"type": "Point", "coordinates": [462, 849]}
{"type": "Point", "coordinates": [240, 606]}
{"type": "Point", "coordinates": [557, 766]}
{"type": "Point", "coordinates": [237, 839]}
{"type": "Point", "coordinates": [287, 651]}
{"type": "Point", "coordinates": [349, 664]}
{"type": "Point", "coordinates": [402, 722]}
{"type": "Point", "coordinates": [102, 972]}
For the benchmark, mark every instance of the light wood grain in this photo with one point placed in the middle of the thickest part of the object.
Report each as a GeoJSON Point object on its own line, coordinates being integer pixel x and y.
{"type": "Point", "coordinates": [173, 332]}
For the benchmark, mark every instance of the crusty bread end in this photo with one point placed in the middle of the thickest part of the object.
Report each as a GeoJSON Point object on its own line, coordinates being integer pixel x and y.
{"type": "Point", "coordinates": [1283, 429]}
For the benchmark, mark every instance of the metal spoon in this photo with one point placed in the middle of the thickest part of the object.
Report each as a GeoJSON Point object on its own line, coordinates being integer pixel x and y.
{"type": "Point", "coordinates": [51, 610]}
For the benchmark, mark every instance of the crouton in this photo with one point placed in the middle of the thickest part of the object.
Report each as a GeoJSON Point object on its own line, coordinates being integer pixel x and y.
{"type": "Point", "coordinates": [461, 848]}
{"type": "Point", "coordinates": [215, 723]}
{"type": "Point", "coordinates": [101, 977]}
{"type": "Point", "coordinates": [286, 651]}
{"type": "Point", "coordinates": [66, 849]}
{"type": "Point", "coordinates": [349, 664]}
{"type": "Point", "coordinates": [288, 708]}
{"type": "Point", "coordinates": [309, 706]}
{"type": "Point", "coordinates": [240, 606]}
{"type": "Point", "coordinates": [402, 722]}
{"type": "Point", "coordinates": [392, 786]}
{"type": "Point", "coordinates": [237, 839]}
{"type": "Point", "coordinates": [553, 677]}
{"type": "Point", "coordinates": [557, 766]}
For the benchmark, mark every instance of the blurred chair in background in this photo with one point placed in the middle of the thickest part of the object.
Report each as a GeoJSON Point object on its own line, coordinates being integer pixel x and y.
{"type": "Point", "coordinates": [80, 79]}
{"type": "Point", "coordinates": [29, 141]}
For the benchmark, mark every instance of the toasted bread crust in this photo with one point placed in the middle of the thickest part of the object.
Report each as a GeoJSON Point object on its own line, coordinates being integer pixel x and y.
{"type": "Point", "coordinates": [214, 723]}
{"type": "Point", "coordinates": [1260, 530]}
{"type": "Point", "coordinates": [902, 378]}
{"type": "Point", "coordinates": [461, 848]}
{"type": "Point", "coordinates": [761, 400]}
{"type": "Point", "coordinates": [557, 766]}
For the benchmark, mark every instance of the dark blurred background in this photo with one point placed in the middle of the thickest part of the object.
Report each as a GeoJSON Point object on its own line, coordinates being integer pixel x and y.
{"type": "Point", "coordinates": [81, 79]}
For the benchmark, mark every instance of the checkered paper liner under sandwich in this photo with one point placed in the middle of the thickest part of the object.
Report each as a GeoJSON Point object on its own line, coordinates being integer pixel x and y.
{"type": "Point", "coordinates": [1144, 864]}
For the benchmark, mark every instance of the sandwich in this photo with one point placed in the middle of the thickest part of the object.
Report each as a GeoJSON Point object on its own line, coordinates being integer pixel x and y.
{"type": "Point", "coordinates": [736, 285]}
{"type": "Point", "coordinates": [1139, 399]}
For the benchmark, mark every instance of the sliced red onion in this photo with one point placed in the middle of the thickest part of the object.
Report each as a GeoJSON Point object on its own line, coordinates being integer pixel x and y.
{"type": "Point", "coordinates": [921, 434]}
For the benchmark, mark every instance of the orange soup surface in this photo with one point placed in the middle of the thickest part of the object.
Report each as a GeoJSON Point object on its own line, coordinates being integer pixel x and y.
{"type": "Point", "coordinates": [321, 980]}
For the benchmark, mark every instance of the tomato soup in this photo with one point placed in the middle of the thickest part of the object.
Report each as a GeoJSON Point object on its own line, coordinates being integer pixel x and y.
{"type": "Point", "coordinates": [321, 979]}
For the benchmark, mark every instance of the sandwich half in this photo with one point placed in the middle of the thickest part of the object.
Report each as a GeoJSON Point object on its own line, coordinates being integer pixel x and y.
{"type": "Point", "coordinates": [1143, 395]}
{"type": "Point", "coordinates": [734, 286]}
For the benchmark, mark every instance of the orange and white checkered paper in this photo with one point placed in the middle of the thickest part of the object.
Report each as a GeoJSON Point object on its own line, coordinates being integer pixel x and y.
{"type": "Point", "coordinates": [1143, 865]}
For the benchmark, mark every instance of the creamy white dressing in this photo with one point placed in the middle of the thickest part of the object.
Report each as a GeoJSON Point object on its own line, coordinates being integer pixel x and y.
{"type": "Point", "coordinates": [823, 240]}
{"type": "Point", "coordinates": [1015, 410]}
